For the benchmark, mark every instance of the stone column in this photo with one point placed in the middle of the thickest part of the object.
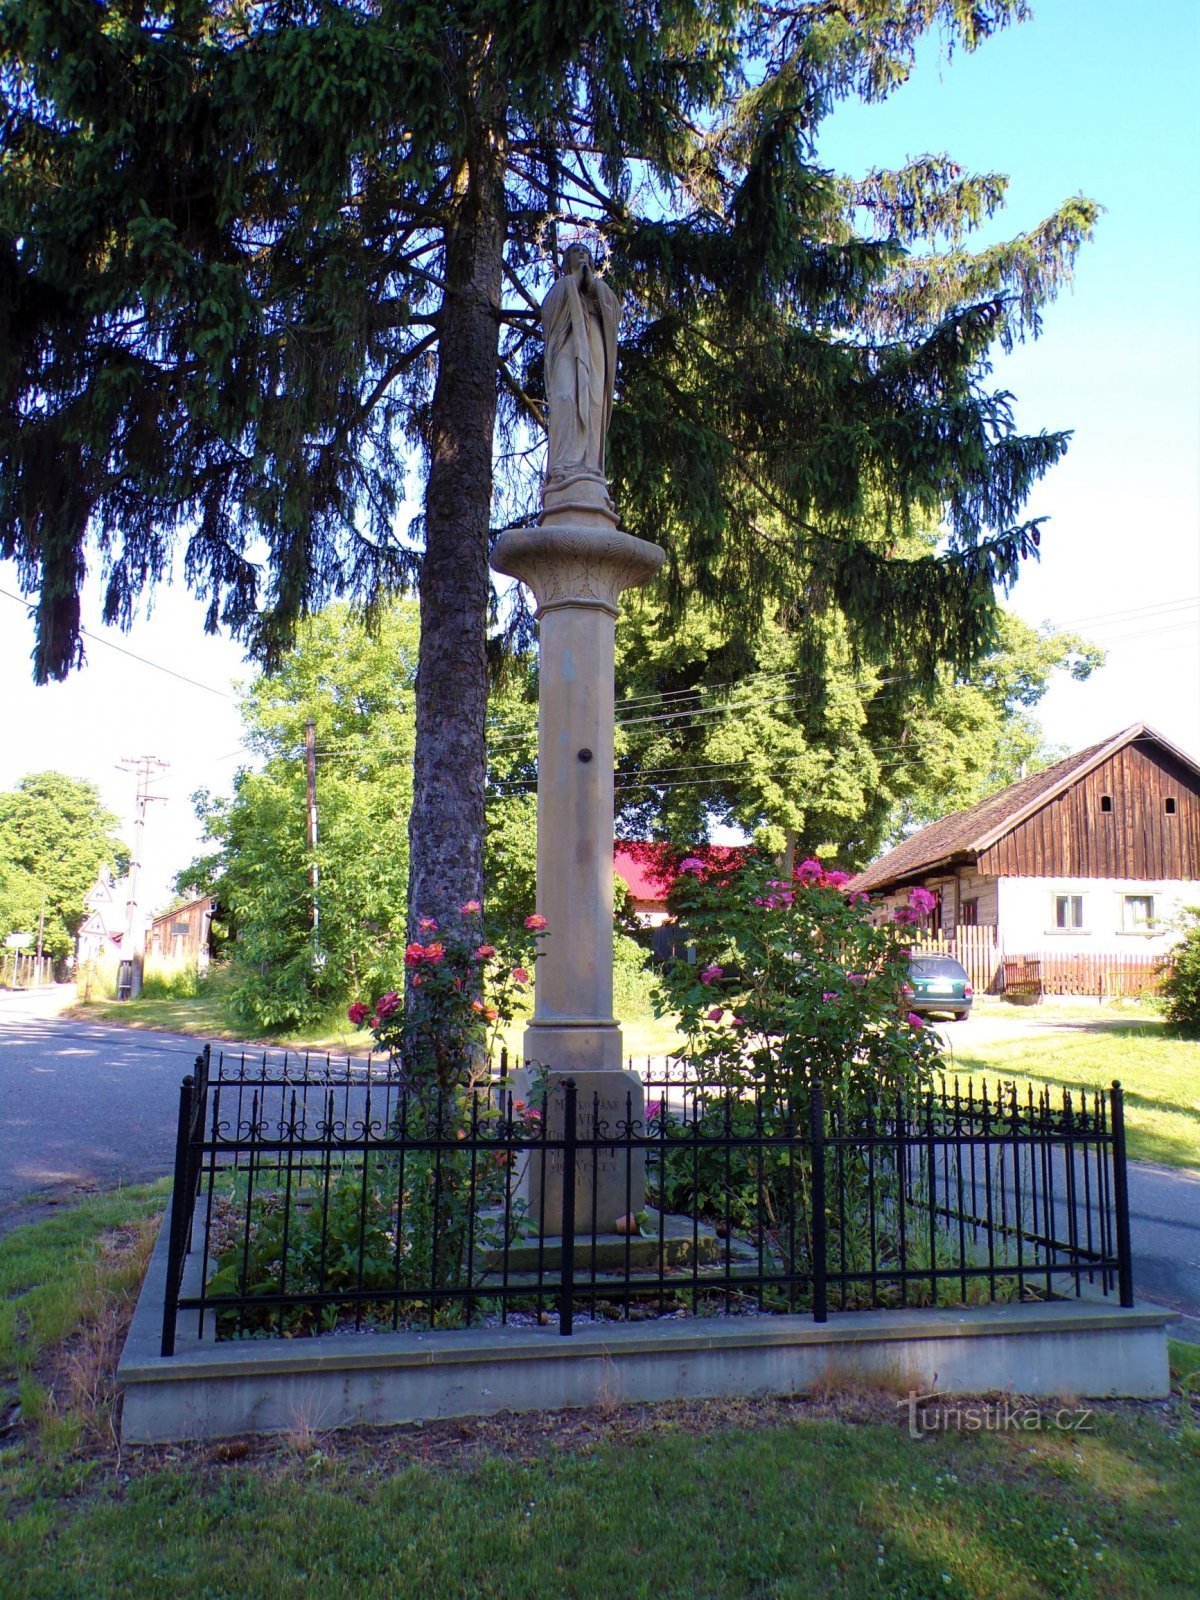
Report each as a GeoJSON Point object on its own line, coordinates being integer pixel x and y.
{"type": "Point", "coordinates": [577, 562]}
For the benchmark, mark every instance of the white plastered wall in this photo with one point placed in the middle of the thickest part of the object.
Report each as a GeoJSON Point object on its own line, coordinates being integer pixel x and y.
{"type": "Point", "coordinates": [1027, 915]}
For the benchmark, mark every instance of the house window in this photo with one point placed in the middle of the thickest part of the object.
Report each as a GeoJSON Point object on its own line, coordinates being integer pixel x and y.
{"type": "Point", "coordinates": [1137, 913]}
{"type": "Point", "coordinates": [1106, 802]}
{"type": "Point", "coordinates": [968, 913]}
{"type": "Point", "coordinates": [1068, 912]}
{"type": "Point", "coordinates": [1169, 804]}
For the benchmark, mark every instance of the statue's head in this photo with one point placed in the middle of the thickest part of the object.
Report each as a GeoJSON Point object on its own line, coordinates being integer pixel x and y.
{"type": "Point", "coordinates": [576, 256]}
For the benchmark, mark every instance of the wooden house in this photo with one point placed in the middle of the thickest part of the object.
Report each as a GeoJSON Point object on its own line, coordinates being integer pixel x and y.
{"type": "Point", "coordinates": [1080, 870]}
{"type": "Point", "coordinates": [182, 935]}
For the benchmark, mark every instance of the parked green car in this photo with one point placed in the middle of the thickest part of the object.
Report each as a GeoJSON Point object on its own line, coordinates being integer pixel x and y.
{"type": "Point", "coordinates": [938, 983]}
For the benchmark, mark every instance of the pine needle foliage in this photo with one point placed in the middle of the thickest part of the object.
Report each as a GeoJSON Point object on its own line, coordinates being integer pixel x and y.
{"type": "Point", "coordinates": [252, 255]}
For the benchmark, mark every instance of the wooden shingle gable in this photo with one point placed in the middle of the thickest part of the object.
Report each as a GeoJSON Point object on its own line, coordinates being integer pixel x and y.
{"type": "Point", "coordinates": [1052, 823]}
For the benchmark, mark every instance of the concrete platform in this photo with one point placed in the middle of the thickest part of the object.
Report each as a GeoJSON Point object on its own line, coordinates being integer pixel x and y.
{"type": "Point", "coordinates": [209, 1390]}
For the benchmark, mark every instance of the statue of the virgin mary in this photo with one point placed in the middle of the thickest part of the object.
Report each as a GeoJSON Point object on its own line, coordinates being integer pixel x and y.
{"type": "Point", "coordinates": [579, 322]}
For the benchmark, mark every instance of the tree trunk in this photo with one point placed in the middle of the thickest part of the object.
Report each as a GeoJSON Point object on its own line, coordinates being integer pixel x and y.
{"type": "Point", "coordinates": [446, 827]}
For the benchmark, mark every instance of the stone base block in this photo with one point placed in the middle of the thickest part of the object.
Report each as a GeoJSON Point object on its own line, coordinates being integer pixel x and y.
{"type": "Point", "coordinates": [573, 1047]}
{"type": "Point", "coordinates": [610, 1182]}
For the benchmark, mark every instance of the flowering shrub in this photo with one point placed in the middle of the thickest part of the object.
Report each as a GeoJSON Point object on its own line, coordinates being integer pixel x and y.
{"type": "Point", "coordinates": [793, 982]}
{"type": "Point", "coordinates": [1181, 984]}
{"type": "Point", "coordinates": [464, 982]}
{"type": "Point", "coordinates": [464, 985]}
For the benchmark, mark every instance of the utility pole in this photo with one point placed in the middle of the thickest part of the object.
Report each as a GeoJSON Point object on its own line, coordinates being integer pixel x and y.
{"type": "Point", "coordinates": [146, 768]}
{"type": "Point", "coordinates": [314, 871]}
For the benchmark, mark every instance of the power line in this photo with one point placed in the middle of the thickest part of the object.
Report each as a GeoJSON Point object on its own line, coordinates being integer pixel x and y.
{"type": "Point", "coordinates": [666, 695]}
{"type": "Point", "coordinates": [132, 654]}
{"type": "Point", "coordinates": [1132, 611]}
{"type": "Point", "coordinates": [1150, 633]}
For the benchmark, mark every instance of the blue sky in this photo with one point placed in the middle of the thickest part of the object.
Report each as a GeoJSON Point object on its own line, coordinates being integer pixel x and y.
{"type": "Point", "coordinates": [1099, 98]}
{"type": "Point", "coordinates": [1093, 97]}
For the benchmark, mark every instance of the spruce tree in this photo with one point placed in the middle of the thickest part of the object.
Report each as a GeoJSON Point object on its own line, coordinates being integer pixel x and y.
{"type": "Point", "coordinates": [249, 255]}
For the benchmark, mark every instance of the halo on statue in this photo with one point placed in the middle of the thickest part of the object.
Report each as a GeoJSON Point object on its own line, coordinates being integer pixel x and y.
{"type": "Point", "coordinates": [590, 239]}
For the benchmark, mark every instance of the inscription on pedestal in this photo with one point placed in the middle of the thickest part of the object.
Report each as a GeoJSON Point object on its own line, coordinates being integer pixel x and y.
{"type": "Point", "coordinates": [610, 1180]}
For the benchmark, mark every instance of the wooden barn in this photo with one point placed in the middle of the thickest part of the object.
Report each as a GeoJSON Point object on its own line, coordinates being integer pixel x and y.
{"type": "Point", "coordinates": [182, 935]}
{"type": "Point", "coordinates": [1073, 877]}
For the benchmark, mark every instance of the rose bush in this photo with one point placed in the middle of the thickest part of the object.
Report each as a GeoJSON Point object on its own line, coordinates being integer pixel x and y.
{"type": "Point", "coordinates": [794, 980]}
{"type": "Point", "coordinates": [465, 983]}
{"type": "Point", "coordinates": [442, 1209]}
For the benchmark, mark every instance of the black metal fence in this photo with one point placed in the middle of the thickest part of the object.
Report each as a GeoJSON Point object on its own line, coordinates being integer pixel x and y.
{"type": "Point", "coordinates": [313, 1196]}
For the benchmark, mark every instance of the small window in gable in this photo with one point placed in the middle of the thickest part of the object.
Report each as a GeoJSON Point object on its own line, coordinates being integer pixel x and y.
{"type": "Point", "coordinates": [1169, 805]}
{"type": "Point", "coordinates": [1106, 802]}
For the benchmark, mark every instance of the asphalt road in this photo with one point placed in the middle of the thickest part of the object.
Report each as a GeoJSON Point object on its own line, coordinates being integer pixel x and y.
{"type": "Point", "coordinates": [85, 1106]}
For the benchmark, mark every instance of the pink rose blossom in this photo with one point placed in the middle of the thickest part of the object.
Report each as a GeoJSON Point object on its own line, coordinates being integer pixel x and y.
{"type": "Point", "coordinates": [921, 901]}
{"type": "Point", "coordinates": [711, 974]}
{"type": "Point", "coordinates": [387, 1003]}
{"type": "Point", "coordinates": [858, 978]}
{"type": "Point", "coordinates": [809, 871]}
{"type": "Point", "coordinates": [737, 1022]}
{"type": "Point", "coordinates": [485, 951]}
{"type": "Point", "coordinates": [428, 925]}
{"type": "Point", "coordinates": [358, 1013]}
{"type": "Point", "coordinates": [434, 953]}
{"type": "Point", "coordinates": [914, 1021]}
{"type": "Point", "coordinates": [836, 880]}
{"type": "Point", "coordinates": [691, 864]}
{"type": "Point", "coordinates": [520, 975]}
{"type": "Point", "coordinates": [470, 907]}
{"type": "Point", "coordinates": [715, 1014]}
{"type": "Point", "coordinates": [536, 923]}
{"type": "Point", "coordinates": [831, 994]}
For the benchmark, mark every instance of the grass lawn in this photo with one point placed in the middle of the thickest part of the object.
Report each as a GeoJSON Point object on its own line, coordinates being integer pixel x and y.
{"type": "Point", "coordinates": [819, 1497]}
{"type": "Point", "coordinates": [209, 1015]}
{"type": "Point", "coordinates": [1159, 1072]}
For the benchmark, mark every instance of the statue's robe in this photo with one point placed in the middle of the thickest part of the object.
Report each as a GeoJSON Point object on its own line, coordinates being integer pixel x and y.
{"type": "Point", "coordinates": [581, 361]}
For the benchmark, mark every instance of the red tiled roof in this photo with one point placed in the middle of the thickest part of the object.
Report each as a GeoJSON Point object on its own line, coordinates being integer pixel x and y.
{"type": "Point", "coordinates": [650, 869]}
{"type": "Point", "coordinates": [963, 834]}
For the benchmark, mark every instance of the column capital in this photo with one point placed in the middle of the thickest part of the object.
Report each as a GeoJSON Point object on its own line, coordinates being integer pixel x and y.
{"type": "Point", "coordinates": [571, 564]}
